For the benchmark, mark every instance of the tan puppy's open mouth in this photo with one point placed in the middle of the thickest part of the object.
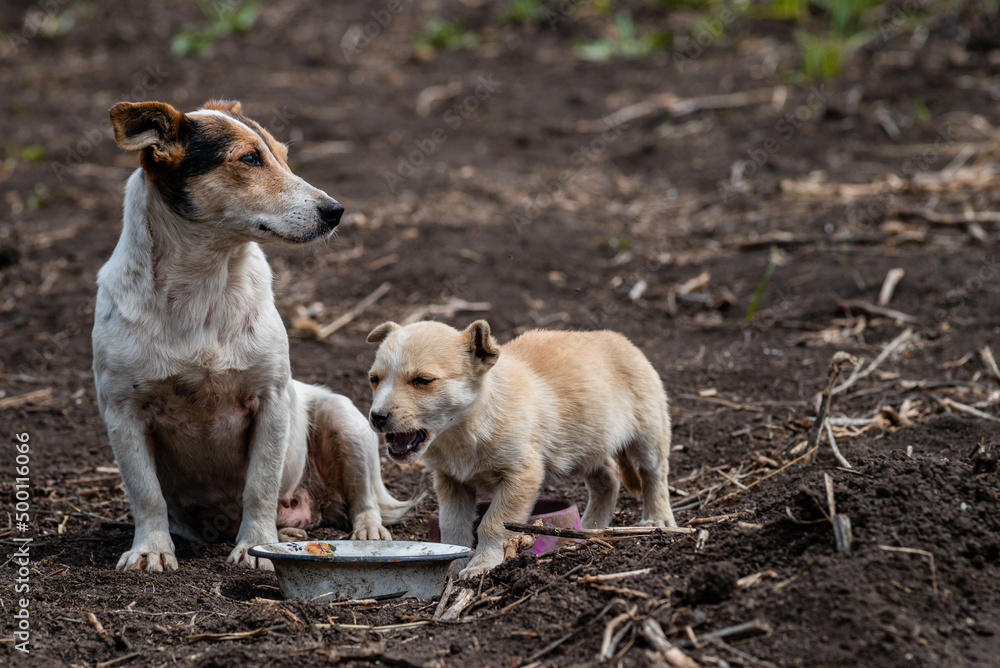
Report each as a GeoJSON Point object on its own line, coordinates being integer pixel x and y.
{"type": "Point", "coordinates": [405, 443]}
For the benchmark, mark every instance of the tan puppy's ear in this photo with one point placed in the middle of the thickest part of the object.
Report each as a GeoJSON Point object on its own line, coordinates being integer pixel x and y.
{"type": "Point", "coordinates": [231, 106]}
{"type": "Point", "coordinates": [482, 345]}
{"type": "Point", "coordinates": [382, 332]}
{"type": "Point", "coordinates": [151, 127]}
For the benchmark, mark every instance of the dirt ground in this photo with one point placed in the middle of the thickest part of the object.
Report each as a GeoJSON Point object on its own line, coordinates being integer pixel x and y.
{"type": "Point", "coordinates": [502, 174]}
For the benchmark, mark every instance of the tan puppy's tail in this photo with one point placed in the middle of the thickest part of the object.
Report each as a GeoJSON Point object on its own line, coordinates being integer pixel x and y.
{"type": "Point", "coordinates": [392, 510]}
{"type": "Point", "coordinates": [628, 473]}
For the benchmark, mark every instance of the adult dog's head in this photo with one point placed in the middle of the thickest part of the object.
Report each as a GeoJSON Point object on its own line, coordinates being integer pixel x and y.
{"type": "Point", "coordinates": [218, 168]}
{"type": "Point", "coordinates": [426, 379]}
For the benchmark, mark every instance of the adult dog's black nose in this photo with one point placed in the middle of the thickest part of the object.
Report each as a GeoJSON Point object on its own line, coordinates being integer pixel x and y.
{"type": "Point", "coordinates": [331, 213]}
{"type": "Point", "coordinates": [379, 420]}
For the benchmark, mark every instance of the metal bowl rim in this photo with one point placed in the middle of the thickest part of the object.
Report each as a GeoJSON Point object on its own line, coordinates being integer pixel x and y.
{"type": "Point", "coordinates": [459, 553]}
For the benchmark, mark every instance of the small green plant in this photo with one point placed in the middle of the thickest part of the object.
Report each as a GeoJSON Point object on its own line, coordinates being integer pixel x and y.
{"type": "Point", "coordinates": [26, 153]}
{"type": "Point", "coordinates": [843, 26]}
{"type": "Point", "coordinates": [772, 262]}
{"type": "Point", "coordinates": [525, 12]}
{"type": "Point", "coordinates": [441, 35]}
{"type": "Point", "coordinates": [223, 18]}
{"type": "Point", "coordinates": [624, 42]}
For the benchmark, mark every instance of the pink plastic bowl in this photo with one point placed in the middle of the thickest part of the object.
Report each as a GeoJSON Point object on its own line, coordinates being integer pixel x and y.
{"type": "Point", "coordinates": [552, 513]}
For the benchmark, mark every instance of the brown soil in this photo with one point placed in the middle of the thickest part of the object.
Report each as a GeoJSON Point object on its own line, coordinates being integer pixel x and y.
{"type": "Point", "coordinates": [643, 203]}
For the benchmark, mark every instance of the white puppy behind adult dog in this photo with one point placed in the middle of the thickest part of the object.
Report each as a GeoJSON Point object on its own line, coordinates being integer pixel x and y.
{"type": "Point", "coordinates": [211, 434]}
{"type": "Point", "coordinates": [502, 420]}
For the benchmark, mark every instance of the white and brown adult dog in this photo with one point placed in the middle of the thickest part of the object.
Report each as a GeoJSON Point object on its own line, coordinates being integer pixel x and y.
{"type": "Point", "coordinates": [212, 435]}
{"type": "Point", "coordinates": [503, 420]}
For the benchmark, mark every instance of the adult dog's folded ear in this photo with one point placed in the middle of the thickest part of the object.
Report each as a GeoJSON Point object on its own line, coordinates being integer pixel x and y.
{"type": "Point", "coordinates": [151, 127]}
{"type": "Point", "coordinates": [482, 345]}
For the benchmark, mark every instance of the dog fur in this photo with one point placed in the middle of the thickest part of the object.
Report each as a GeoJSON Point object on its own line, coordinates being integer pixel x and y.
{"type": "Point", "coordinates": [500, 421]}
{"type": "Point", "coordinates": [212, 435]}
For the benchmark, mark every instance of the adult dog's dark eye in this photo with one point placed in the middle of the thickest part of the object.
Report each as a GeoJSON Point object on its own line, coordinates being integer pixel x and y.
{"type": "Point", "coordinates": [253, 159]}
{"type": "Point", "coordinates": [420, 380]}
{"type": "Point", "coordinates": [373, 380]}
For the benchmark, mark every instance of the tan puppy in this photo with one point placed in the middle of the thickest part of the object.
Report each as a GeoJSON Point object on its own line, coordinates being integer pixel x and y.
{"type": "Point", "coordinates": [502, 421]}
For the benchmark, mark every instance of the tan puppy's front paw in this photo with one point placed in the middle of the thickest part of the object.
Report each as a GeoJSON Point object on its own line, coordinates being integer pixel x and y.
{"type": "Point", "coordinates": [239, 557]}
{"type": "Point", "coordinates": [483, 562]}
{"type": "Point", "coordinates": [474, 571]}
{"type": "Point", "coordinates": [152, 560]}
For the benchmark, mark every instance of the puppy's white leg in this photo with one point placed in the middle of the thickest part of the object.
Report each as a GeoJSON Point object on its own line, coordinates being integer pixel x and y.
{"type": "Point", "coordinates": [602, 496]}
{"type": "Point", "coordinates": [260, 495]}
{"type": "Point", "coordinates": [512, 502]}
{"type": "Point", "coordinates": [652, 462]}
{"type": "Point", "coordinates": [152, 547]}
{"type": "Point", "coordinates": [457, 503]}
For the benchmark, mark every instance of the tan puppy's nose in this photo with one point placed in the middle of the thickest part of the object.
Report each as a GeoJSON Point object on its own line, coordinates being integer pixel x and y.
{"type": "Point", "coordinates": [379, 420]}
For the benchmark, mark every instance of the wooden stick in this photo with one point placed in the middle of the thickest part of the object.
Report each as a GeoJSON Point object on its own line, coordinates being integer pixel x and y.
{"type": "Point", "coordinates": [38, 397]}
{"type": "Point", "coordinates": [462, 601]}
{"type": "Point", "coordinates": [700, 521]}
{"type": "Point", "coordinates": [443, 602]}
{"type": "Point", "coordinates": [841, 523]}
{"type": "Point", "coordinates": [357, 310]}
{"type": "Point", "coordinates": [654, 635]}
{"type": "Point", "coordinates": [121, 659]}
{"type": "Point", "coordinates": [746, 630]}
{"type": "Point", "coordinates": [892, 279]}
{"type": "Point", "coordinates": [610, 532]}
{"type": "Point", "coordinates": [93, 621]}
{"type": "Point", "coordinates": [839, 359]}
{"type": "Point", "coordinates": [833, 446]}
{"type": "Point", "coordinates": [923, 553]}
{"type": "Point", "coordinates": [611, 577]}
{"type": "Point", "coordinates": [553, 645]}
{"type": "Point", "coordinates": [858, 374]}
{"type": "Point", "coordinates": [883, 311]}
{"type": "Point", "coordinates": [969, 410]}
{"type": "Point", "coordinates": [986, 354]}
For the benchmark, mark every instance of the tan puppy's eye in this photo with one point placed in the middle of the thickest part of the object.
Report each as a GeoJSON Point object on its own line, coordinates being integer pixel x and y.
{"type": "Point", "coordinates": [421, 380]}
{"type": "Point", "coordinates": [373, 380]}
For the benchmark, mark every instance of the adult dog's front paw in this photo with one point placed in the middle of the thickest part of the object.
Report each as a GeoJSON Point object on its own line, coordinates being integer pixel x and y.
{"type": "Point", "coordinates": [369, 527]}
{"type": "Point", "coordinates": [154, 560]}
{"type": "Point", "coordinates": [239, 557]}
{"type": "Point", "coordinates": [370, 531]}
